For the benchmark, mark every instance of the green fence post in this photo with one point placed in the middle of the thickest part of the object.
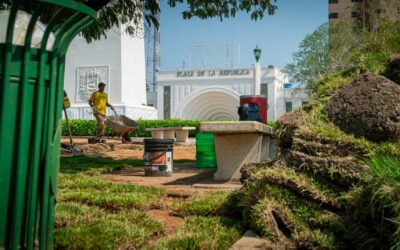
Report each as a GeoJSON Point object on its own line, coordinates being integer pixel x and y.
{"type": "Point", "coordinates": [30, 117]}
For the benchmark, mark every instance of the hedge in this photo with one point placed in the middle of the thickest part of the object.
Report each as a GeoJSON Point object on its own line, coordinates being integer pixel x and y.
{"type": "Point", "coordinates": [88, 127]}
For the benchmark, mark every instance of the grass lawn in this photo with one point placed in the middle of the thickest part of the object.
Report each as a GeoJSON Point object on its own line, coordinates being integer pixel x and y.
{"type": "Point", "coordinates": [209, 224]}
{"type": "Point", "coordinates": [92, 213]}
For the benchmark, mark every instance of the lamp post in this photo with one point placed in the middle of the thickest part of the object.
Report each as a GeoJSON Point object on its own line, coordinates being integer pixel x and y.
{"type": "Point", "coordinates": [257, 53]}
{"type": "Point", "coordinates": [257, 72]}
{"type": "Point", "coordinates": [256, 97]}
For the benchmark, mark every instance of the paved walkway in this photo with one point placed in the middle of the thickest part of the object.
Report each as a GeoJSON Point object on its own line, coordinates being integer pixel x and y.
{"type": "Point", "coordinates": [186, 180]}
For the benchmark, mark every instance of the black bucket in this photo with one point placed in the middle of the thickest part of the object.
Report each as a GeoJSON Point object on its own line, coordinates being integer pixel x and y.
{"type": "Point", "coordinates": [158, 157]}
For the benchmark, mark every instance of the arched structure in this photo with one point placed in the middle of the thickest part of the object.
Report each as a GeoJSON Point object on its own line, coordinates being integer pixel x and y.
{"type": "Point", "coordinates": [210, 104]}
{"type": "Point", "coordinates": [213, 94]}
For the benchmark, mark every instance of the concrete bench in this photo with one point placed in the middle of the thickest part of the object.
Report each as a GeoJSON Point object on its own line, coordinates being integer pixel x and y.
{"type": "Point", "coordinates": [238, 143]}
{"type": "Point", "coordinates": [182, 133]}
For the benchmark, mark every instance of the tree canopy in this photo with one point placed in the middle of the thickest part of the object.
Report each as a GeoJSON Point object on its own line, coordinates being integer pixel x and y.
{"type": "Point", "coordinates": [132, 12]}
{"type": "Point", "coordinates": [310, 62]}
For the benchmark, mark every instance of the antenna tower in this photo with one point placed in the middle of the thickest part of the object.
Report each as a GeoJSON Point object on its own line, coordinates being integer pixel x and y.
{"type": "Point", "coordinates": [152, 54]}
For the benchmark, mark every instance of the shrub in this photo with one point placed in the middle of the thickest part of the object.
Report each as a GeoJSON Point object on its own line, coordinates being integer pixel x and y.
{"type": "Point", "coordinates": [88, 127]}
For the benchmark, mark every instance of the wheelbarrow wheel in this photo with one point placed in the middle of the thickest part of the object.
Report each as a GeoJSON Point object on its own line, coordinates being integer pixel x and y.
{"type": "Point", "coordinates": [126, 138]}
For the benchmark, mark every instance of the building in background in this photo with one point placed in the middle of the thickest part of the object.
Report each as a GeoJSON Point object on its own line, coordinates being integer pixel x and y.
{"type": "Point", "coordinates": [118, 61]}
{"type": "Point", "coordinates": [363, 13]}
{"type": "Point", "coordinates": [214, 94]}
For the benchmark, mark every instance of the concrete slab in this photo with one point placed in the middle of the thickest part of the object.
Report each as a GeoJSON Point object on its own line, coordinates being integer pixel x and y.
{"type": "Point", "coordinates": [170, 128]}
{"type": "Point", "coordinates": [182, 133]}
{"type": "Point", "coordinates": [238, 143]}
{"type": "Point", "coordinates": [235, 127]}
{"type": "Point", "coordinates": [233, 151]}
{"type": "Point", "coordinates": [250, 240]}
{"type": "Point", "coordinates": [218, 186]}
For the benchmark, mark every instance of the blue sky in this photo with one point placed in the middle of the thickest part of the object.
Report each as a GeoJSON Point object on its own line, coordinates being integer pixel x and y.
{"type": "Point", "coordinates": [278, 36]}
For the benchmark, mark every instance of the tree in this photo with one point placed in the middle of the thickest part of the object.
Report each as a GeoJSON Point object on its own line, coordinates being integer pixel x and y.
{"type": "Point", "coordinates": [132, 12]}
{"type": "Point", "coordinates": [347, 47]}
{"type": "Point", "coordinates": [311, 61]}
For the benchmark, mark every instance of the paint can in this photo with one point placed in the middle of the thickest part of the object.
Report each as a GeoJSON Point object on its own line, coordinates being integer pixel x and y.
{"type": "Point", "coordinates": [158, 157]}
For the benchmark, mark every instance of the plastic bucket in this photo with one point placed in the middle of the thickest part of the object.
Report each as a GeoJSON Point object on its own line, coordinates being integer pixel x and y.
{"type": "Point", "coordinates": [205, 151]}
{"type": "Point", "coordinates": [158, 157]}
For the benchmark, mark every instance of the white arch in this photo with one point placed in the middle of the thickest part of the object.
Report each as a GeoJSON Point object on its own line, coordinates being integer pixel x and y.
{"type": "Point", "coordinates": [210, 104]}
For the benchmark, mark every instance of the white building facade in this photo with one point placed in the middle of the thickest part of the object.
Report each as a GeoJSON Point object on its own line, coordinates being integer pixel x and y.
{"type": "Point", "coordinates": [214, 94]}
{"type": "Point", "coordinates": [119, 62]}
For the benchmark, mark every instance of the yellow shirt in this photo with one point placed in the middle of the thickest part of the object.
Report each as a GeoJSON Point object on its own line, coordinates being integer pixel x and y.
{"type": "Point", "coordinates": [99, 100]}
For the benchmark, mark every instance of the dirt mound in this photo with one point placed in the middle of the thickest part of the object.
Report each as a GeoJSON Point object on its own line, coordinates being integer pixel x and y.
{"type": "Point", "coordinates": [393, 69]}
{"type": "Point", "coordinates": [368, 107]}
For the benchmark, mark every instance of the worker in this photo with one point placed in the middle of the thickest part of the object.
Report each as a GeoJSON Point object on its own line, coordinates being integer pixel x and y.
{"type": "Point", "coordinates": [99, 101]}
{"type": "Point", "coordinates": [66, 102]}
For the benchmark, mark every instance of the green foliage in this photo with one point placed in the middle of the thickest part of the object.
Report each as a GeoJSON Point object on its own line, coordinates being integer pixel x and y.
{"type": "Point", "coordinates": [273, 124]}
{"type": "Point", "coordinates": [320, 128]}
{"type": "Point", "coordinates": [385, 168]}
{"type": "Point", "coordinates": [369, 215]}
{"type": "Point", "coordinates": [203, 233]}
{"type": "Point", "coordinates": [332, 54]}
{"type": "Point", "coordinates": [307, 226]}
{"type": "Point", "coordinates": [128, 12]}
{"type": "Point", "coordinates": [131, 14]}
{"type": "Point", "coordinates": [80, 182]}
{"type": "Point", "coordinates": [93, 165]}
{"type": "Point", "coordinates": [310, 63]}
{"type": "Point", "coordinates": [363, 50]}
{"type": "Point", "coordinates": [92, 213]}
{"type": "Point", "coordinates": [203, 206]}
{"type": "Point", "coordinates": [83, 227]}
{"type": "Point", "coordinates": [95, 191]}
{"type": "Point", "coordinates": [330, 82]}
{"type": "Point", "coordinates": [277, 202]}
{"type": "Point", "coordinates": [88, 127]}
{"type": "Point", "coordinates": [73, 213]}
{"type": "Point", "coordinates": [375, 206]}
{"type": "Point", "coordinates": [225, 9]}
{"type": "Point", "coordinates": [374, 62]}
{"type": "Point", "coordinates": [388, 148]}
{"type": "Point", "coordinates": [297, 183]}
{"type": "Point", "coordinates": [143, 124]}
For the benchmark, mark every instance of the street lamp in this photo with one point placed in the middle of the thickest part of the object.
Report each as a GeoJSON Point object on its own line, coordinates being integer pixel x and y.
{"type": "Point", "coordinates": [257, 72]}
{"type": "Point", "coordinates": [257, 53]}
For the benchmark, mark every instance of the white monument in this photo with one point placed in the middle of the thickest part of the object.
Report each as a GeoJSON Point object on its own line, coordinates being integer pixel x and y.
{"type": "Point", "coordinates": [119, 62]}
{"type": "Point", "coordinates": [213, 94]}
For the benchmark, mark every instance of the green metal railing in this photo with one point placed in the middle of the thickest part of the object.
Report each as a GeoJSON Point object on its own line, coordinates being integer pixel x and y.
{"type": "Point", "coordinates": [30, 123]}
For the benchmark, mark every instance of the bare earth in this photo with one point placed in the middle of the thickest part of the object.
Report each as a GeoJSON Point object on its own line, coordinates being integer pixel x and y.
{"type": "Point", "coordinates": [113, 148]}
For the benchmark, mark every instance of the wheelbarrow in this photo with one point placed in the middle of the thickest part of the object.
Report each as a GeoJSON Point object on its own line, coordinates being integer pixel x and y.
{"type": "Point", "coordinates": [122, 125]}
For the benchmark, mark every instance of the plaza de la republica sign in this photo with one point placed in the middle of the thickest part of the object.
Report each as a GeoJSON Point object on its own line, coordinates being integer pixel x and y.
{"type": "Point", "coordinates": [211, 73]}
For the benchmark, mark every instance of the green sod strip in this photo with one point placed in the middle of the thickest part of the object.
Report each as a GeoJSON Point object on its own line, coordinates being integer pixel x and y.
{"type": "Point", "coordinates": [202, 233]}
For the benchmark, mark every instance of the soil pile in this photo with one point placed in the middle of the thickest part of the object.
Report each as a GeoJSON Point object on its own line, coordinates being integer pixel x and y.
{"type": "Point", "coordinates": [368, 107]}
{"type": "Point", "coordinates": [393, 69]}
{"type": "Point", "coordinates": [298, 202]}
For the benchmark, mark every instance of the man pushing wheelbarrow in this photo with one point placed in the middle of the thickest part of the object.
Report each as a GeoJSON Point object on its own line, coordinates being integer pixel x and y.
{"type": "Point", "coordinates": [121, 124]}
{"type": "Point", "coordinates": [99, 101]}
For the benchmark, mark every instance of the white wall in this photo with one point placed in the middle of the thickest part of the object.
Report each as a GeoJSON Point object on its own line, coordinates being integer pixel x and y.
{"type": "Point", "coordinates": [133, 71]}
{"type": "Point", "coordinates": [117, 60]}
{"type": "Point", "coordinates": [104, 52]}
